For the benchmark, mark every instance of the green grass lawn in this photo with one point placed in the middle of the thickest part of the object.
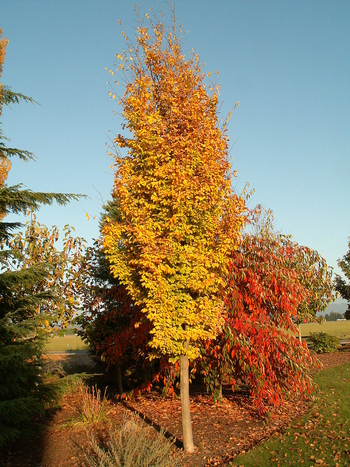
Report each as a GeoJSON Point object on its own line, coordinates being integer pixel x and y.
{"type": "Point", "coordinates": [62, 344]}
{"type": "Point", "coordinates": [321, 437]}
{"type": "Point", "coordinates": [340, 329]}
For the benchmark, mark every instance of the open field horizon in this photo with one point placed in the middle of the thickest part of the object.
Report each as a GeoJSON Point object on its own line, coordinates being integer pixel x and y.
{"type": "Point", "coordinates": [341, 329]}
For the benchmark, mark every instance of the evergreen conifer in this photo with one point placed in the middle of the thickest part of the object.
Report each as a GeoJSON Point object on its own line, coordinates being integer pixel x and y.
{"type": "Point", "coordinates": [23, 295]}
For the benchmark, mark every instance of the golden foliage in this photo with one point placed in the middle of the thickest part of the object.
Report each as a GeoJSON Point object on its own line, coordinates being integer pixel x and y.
{"type": "Point", "coordinates": [179, 217]}
{"type": "Point", "coordinates": [5, 166]}
{"type": "Point", "coordinates": [3, 46]}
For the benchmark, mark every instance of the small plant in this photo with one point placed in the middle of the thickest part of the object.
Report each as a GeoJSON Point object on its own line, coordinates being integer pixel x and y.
{"type": "Point", "coordinates": [133, 446]}
{"type": "Point", "coordinates": [323, 343]}
{"type": "Point", "coordinates": [91, 407]}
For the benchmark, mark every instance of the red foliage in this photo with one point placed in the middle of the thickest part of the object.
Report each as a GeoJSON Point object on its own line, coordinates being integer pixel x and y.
{"type": "Point", "coordinates": [265, 296]}
{"type": "Point", "coordinates": [258, 345]}
{"type": "Point", "coordinates": [128, 329]}
{"type": "Point", "coordinates": [114, 326]}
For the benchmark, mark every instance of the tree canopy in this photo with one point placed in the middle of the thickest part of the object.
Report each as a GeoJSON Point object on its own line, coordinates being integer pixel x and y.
{"type": "Point", "coordinates": [265, 296]}
{"type": "Point", "coordinates": [179, 216]}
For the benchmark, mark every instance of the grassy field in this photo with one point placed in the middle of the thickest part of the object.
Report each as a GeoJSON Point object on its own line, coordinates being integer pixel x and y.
{"type": "Point", "coordinates": [321, 437]}
{"type": "Point", "coordinates": [340, 329]}
{"type": "Point", "coordinates": [62, 344]}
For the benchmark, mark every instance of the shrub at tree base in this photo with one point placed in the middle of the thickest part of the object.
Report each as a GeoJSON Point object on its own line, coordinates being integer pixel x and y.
{"type": "Point", "coordinates": [323, 343]}
{"type": "Point", "coordinates": [133, 446]}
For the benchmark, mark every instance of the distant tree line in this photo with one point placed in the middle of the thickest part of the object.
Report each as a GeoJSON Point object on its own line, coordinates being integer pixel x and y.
{"type": "Point", "coordinates": [333, 316]}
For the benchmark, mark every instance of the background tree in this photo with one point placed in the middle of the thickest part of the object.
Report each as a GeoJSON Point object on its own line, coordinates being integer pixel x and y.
{"type": "Point", "coordinates": [179, 217]}
{"type": "Point", "coordinates": [264, 295]}
{"type": "Point", "coordinates": [37, 245]}
{"type": "Point", "coordinates": [341, 285]}
{"type": "Point", "coordinates": [112, 324]}
{"type": "Point", "coordinates": [115, 328]}
{"type": "Point", "coordinates": [25, 292]}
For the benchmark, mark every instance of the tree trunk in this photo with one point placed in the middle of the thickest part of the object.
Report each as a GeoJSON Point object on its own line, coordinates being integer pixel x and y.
{"type": "Point", "coordinates": [185, 402]}
{"type": "Point", "coordinates": [220, 391]}
{"type": "Point", "coordinates": [299, 332]}
{"type": "Point", "coordinates": [120, 381]}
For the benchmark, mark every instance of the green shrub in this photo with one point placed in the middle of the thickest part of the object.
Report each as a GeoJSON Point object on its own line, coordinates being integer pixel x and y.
{"type": "Point", "coordinates": [133, 446]}
{"type": "Point", "coordinates": [323, 343]}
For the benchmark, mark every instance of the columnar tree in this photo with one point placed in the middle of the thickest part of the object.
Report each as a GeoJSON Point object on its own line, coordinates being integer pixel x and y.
{"type": "Point", "coordinates": [341, 285]}
{"type": "Point", "coordinates": [28, 286]}
{"type": "Point", "coordinates": [179, 217]}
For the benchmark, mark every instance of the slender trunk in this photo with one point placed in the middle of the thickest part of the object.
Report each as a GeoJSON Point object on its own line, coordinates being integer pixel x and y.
{"type": "Point", "coordinates": [185, 402]}
{"type": "Point", "coordinates": [120, 381]}
{"type": "Point", "coordinates": [299, 331]}
{"type": "Point", "coordinates": [220, 391]}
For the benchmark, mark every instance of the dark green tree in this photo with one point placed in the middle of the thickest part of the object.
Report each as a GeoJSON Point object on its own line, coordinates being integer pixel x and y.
{"type": "Point", "coordinates": [25, 296]}
{"type": "Point", "coordinates": [343, 285]}
{"type": "Point", "coordinates": [116, 330]}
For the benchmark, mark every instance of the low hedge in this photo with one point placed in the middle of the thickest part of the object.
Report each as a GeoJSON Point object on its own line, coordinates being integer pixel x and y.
{"type": "Point", "coordinates": [323, 342]}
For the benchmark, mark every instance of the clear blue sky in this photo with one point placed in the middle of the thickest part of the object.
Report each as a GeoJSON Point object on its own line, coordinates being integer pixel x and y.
{"type": "Point", "coordinates": [286, 62]}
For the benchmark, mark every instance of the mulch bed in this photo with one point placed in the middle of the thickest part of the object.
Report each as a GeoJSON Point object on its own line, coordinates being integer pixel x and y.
{"type": "Point", "coordinates": [221, 430]}
{"type": "Point", "coordinates": [333, 359]}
